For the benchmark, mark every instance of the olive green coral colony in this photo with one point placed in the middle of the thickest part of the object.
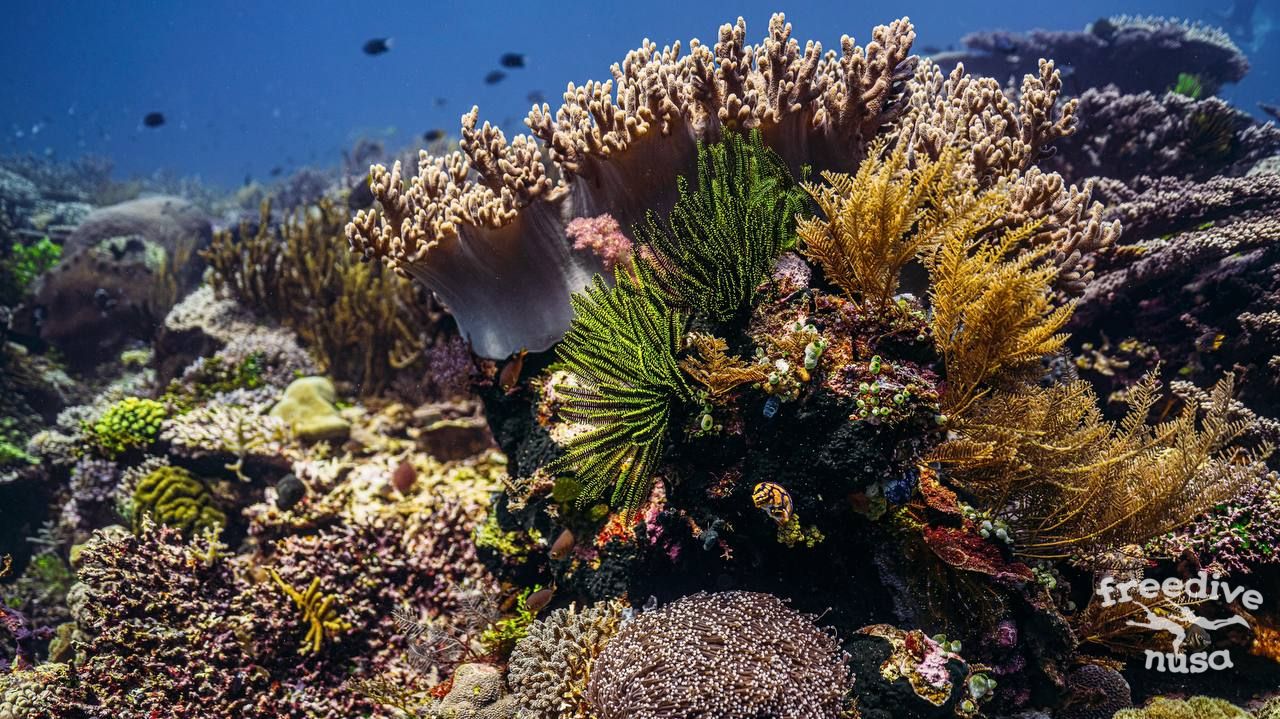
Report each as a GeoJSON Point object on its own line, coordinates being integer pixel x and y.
{"type": "Point", "coordinates": [822, 443]}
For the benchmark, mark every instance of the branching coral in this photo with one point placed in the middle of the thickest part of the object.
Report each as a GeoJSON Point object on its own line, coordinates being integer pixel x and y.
{"type": "Point", "coordinates": [723, 236]}
{"type": "Point", "coordinates": [317, 611]}
{"type": "Point", "coordinates": [362, 324]}
{"type": "Point", "coordinates": [550, 668]}
{"type": "Point", "coordinates": [222, 428]}
{"type": "Point", "coordinates": [621, 352]}
{"type": "Point", "coordinates": [731, 655]}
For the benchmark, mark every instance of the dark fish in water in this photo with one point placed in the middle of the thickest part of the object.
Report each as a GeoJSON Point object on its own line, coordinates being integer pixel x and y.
{"type": "Point", "coordinates": [536, 97]}
{"type": "Point", "coordinates": [433, 135]}
{"type": "Point", "coordinates": [377, 46]}
{"type": "Point", "coordinates": [495, 77]}
{"type": "Point", "coordinates": [562, 546]}
{"type": "Point", "coordinates": [539, 599]}
{"type": "Point", "coordinates": [510, 375]}
{"type": "Point", "coordinates": [403, 477]}
{"type": "Point", "coordinates": [441, 101]}
{"type": "Point", "coordinates": [289, 491]}
{"type": "Point", "coordinates": [511, 59]}
{"type": "Point", "coordinates": [277, 171]}
{"type": "Point", "coordinates": [153, 119]}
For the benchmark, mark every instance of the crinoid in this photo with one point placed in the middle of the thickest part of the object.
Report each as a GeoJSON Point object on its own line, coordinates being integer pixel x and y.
{"type": "Point", "coordinates": [621, 351]}
{"type": "Point", "coordinates": [722, 237]}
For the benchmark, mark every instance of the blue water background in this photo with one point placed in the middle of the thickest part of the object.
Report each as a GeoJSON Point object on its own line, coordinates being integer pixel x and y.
{"type": "Point", "coordinates": [251, 86]}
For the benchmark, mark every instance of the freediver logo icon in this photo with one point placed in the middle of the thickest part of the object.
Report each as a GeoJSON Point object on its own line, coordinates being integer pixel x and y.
{"type": "Point", "coordinates": [1189, 629]}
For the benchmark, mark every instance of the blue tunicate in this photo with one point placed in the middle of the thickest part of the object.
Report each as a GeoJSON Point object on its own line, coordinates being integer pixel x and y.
{"type": "Point", "coordinates": [899, 490]}
{"type": "Point", "coordinates": [771, 407]}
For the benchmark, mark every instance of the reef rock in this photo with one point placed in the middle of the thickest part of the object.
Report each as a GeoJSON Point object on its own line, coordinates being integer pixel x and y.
{"type": "Point", "coordinates": [123, 268]}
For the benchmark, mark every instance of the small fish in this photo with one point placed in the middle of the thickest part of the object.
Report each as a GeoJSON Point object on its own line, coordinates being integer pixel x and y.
{"type": "Point", "coordinates": [511, 60]}
{"type": "Point", "coordinates": [153, 119]}
{"type": "Point", "coordinates": [433, 134]}
{"type": "Point", "coordinates": [377, 46]}
{"type": "Point", "coordinates": [539, 599]}
{"type": "Point", "coordinates": [289, 491]}
{"type": "Point", "coordinates": [403, 477]}
{"type": "Point", "coordinates": [441, 101]}
{"type": "Point", "coordinates": [510, 375]}
{"type": "Point", "coordinates": [277, 171]}
{"type": "Point", "coordinates": [562, 546]}
{"type": "Point", "coordinates": [495, 77]}
{"type": "Point", "coordinates": [536, 97]}
{"type": "Point", "coordinates": [774, 500]}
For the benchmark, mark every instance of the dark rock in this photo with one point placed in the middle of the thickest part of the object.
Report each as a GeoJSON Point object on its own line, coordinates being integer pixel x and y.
{"type": "Point", "coordinates": [122, 270]}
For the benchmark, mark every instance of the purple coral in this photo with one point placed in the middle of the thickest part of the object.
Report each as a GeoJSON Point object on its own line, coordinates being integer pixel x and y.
{"type": "Point", "coordinates": [1136, 53]}
{"type": "Point", "coordinates": [1238, 537]}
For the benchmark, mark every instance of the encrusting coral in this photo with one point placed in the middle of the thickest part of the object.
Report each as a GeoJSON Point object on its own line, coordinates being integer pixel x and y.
{"type": "Point", "coordinates": [1193, 708]}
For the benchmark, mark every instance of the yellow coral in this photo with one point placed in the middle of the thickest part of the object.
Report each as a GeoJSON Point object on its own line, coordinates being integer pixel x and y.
{"type": "Point", "coordinates": [317, 610]}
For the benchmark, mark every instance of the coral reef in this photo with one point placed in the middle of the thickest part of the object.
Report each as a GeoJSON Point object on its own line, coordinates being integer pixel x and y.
{"type": "Point", "coordinates": [1135, 53]}
{"type": "Point", "coordinates": [360, 323]}
{"type": "Point", "coordinates": [806, 383]}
